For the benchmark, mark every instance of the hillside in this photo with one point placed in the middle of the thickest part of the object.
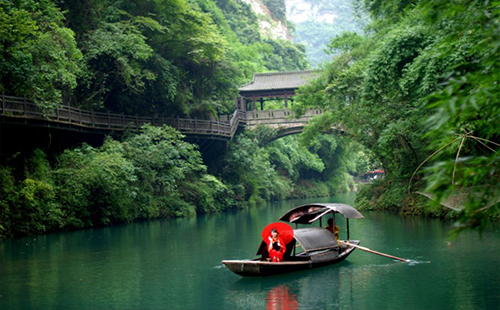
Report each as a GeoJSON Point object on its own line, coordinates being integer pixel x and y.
{"type": "Point", "coordinates": [318, 21]}
{"type": "Point", "coordinates": [162, 58]}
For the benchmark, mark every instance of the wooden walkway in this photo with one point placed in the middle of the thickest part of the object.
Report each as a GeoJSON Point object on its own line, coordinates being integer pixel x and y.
{"type": "Point", "coordinates": [21, 110]}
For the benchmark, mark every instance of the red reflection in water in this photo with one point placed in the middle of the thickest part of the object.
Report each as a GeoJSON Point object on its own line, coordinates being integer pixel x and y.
{"type": "Point", "coordinates": [280, 298]}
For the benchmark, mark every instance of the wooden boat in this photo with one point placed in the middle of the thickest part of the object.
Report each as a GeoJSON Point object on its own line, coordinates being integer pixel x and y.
{"type": "Point", "coordinates": [319, 246]}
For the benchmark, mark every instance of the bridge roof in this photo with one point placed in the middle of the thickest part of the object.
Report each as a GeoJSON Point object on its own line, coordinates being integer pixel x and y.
{"type": "Point", "coordinates": [279, 80]}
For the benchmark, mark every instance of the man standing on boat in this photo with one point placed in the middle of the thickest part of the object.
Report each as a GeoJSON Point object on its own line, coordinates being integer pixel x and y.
{"type": "Point", "coordinates": [334, 229]}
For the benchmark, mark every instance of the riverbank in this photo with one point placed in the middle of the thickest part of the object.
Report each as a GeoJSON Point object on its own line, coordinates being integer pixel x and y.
{"type": "Point", "coordinates": [384, 195]}
{"type": "Point", "coordinates": [47, 204]}
{"type": "Point", "coordinates": [155, 174]}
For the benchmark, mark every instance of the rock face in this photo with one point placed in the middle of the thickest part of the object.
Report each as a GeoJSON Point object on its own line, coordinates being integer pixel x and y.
{"type": "Point", "coordinates": [316, 22]}
{"type": "Point", "coordinates": [269, 26]}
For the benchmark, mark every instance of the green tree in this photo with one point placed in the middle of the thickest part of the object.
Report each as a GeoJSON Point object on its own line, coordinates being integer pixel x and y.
{"type": "Point", "coordinates": [247, 167]}
{"type": "Point", "coordinates": [423, 81]}
{"type": "Point", "coordinates": [28, 200]}
{"type": "Point", "coordinates": [96, 186]}
{"type": "Point", "coordinates": [466, 110]}
{"type": "Point", "coordinates": [39, 58]}
{"type": "Point", "coordinates": [277, 8]}
{"type": "Point", "coordinates": [164, 165]}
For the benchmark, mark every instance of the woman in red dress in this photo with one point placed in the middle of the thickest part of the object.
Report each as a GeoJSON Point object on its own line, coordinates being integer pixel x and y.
{"type": "Point", "coordinates": [275, 246]}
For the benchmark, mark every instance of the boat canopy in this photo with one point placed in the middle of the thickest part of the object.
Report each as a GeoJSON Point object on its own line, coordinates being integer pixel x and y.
{"type": "Point", "coordinates": [314, 238]}
{"type": "Point", "coordinates": [309, 213]}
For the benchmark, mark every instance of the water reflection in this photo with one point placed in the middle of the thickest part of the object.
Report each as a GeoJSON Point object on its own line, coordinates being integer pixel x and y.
{"type": "Point", "coordinates": [279, 297]}
{"type": "Point", "coordinates": [315, 289]}
{"type": "Point", "coordinates": [176, 264]}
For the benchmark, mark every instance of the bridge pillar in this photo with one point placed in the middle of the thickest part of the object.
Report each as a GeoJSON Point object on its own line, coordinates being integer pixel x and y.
{"type": "Point", "coordinates": [286, 101]}
{"type": "Point", "coordinates": [241, 103]}
{"type": "Point", "coordinates": [262, 104]}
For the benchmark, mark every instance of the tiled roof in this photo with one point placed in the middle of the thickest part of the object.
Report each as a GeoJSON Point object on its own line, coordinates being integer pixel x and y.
{"type": "Point", "coordinates": [279, 80]}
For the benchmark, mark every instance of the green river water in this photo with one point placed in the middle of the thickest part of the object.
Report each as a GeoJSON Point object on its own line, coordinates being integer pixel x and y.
{"type": "Point", "coordinates": [176, 264]}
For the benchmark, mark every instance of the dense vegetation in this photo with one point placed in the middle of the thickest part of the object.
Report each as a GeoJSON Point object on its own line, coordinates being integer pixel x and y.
{"type": "Point", "coordinates": [168, 57]}
{"type": "Point", "coordinates": [422, 87]}
{"type": "Point", "coordinates": [155, 174]}
{"type": "Point", "coordinates": [290, 168]}
{"type": "Point", "coordinates": [277, 9]}
{"type": "Point", "coordinates": [418, 94]}
{"type": "Point", "coordinates": [148, 57]}
{"type": "Point", "coordinates": [148, 175]}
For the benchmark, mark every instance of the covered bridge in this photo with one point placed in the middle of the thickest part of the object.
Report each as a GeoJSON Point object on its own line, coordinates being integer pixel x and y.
{"type": "Point", "coordinates": [272, 86]}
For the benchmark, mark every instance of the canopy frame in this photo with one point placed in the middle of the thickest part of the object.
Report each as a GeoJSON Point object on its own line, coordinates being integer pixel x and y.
{"type": "Point", "coordinates": [308, 214]}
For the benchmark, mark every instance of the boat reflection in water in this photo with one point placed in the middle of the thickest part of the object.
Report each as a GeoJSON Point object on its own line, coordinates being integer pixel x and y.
{"type": "Point", "coordinates": [323, 288]}
{"type": "Point", "coordinates": [279, 297]}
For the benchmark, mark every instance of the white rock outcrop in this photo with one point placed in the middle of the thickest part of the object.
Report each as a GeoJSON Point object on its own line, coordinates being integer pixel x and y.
{"type": "Point", "coordinates": [268, 26]}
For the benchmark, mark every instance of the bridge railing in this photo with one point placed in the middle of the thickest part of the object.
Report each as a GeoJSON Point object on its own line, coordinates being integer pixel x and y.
{"type": "Point", "coordinates": [23, 108]}
{"type": "Point", "coordinates": [237, 119]}
{"type": "Point", "coordinates": [280, 118]}
{"type": "Point", "coordinates": [277, 114]}
{"type": "Point", "coordinates": [226, 127]}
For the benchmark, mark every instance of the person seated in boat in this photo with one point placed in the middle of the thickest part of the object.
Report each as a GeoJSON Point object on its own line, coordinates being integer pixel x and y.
{"type": "Point", "coordinates": [334, 229]}
{"type": "Point", "coordinates": [275, 246]}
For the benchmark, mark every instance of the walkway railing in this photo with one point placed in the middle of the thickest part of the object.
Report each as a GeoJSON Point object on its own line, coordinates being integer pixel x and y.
{"type": "Point", "coordinates": [17, 107]}
{"type": "Point", "coordinates": [22, 108]}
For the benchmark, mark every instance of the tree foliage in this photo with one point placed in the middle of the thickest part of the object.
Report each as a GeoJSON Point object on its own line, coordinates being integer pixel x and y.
{"type": "Point", "coordinates": [421, 87]}
{"type": "Point", "coordinates": [288, 168]}
{"type": "Point", "coordinates": [39, 57]}
{"type": "Point", "coordinates": [277, 8]}
{"type": "Point", "coordinates": [147, 57]}
{"type": "Point", "coordinates": [155, 174]}
{"type": "Point", "coordinates": [148, 175]}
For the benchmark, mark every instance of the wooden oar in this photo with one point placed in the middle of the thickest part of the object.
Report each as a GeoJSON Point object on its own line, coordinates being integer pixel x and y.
{"type": "Point", "coordinates": [374, 252]}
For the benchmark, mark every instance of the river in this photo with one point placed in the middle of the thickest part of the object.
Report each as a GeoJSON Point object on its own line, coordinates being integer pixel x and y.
{"type": "Point", "coordinates": [176, 264]}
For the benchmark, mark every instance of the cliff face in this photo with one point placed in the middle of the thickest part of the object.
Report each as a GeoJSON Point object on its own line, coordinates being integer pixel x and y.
{"type": "Point", "coordinates": [271, 18]}
{"type": "Point", "coordinates": [259, 33]}
{"type": "Point", "coordinates": [314, 22]}
{"type": "Point", "coordinates": [318, 21]}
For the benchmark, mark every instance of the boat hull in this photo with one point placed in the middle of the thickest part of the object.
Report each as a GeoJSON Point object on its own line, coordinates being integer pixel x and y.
{"type": "Point", "coordinates": [258, 268]}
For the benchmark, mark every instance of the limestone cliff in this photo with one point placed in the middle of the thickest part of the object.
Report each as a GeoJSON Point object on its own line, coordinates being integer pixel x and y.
{"type": "Point", "coordinates": [272, 24]}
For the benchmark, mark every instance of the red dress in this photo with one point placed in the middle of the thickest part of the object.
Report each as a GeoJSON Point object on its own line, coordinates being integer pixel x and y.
{"type": "Point", "coordinates": [276, 255]}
